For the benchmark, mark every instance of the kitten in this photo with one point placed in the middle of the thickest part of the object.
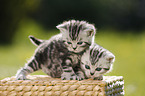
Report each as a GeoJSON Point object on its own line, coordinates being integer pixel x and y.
{"type": "Point", "coordinates": [95, 58]}
{"type": "Point", "coordinates": [60, 55]}
{"type": "Point", "coordinates": [96, 61]}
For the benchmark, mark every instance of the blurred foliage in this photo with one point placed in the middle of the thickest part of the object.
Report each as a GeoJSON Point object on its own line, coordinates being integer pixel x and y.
{"type": "Point", "coordinates": [119, 14]}
{"type": "Point", "coordinates": [128, 49]}
{"type": "Point", "coordinates": [116, 14]}
{"type": "Point", "coordinates": [11, 13]}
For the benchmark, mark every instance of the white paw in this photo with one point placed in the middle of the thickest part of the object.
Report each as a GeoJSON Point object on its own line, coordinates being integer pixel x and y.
{"type": "Point", "coordinates": [70, 77]}
{"type": "Point", "coordinates": [81, 76]}
{"type": "Point", "coordinates": [98, 78]}
{"type": "Point", "coordinates": [21, 77]}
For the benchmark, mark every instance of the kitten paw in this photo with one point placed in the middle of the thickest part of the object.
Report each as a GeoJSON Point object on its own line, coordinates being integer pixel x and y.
{"type": "Point", "coordinates": [71, 77]}
{"type": "Point", "coordinates": [80, 78]}
{"type": "Point", "coordinates": [21, 77]}
{"type": "Point", "coordinates": [98, 78]}
{"type": "Point", "coordinates": [77, 78]}
{"type": "Point", "coordinates": [80, 75]}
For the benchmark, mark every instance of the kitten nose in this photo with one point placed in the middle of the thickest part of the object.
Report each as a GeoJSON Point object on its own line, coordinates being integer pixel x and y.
{"type": "Point", "coordinates": [91, 73]}
{"type": "Point", "coordinates": [75, 48]}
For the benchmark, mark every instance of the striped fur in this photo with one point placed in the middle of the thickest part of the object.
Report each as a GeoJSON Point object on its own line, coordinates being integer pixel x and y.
{"type": "Point", "coordinates": [96, 61]}
{"type": "Point", "coordinates": [76, 27]}
{"type": "Point", "coordinates": [77, 35]}
{"type": "Point", "coordinates": [35, 41]}
{"type": "Point", "coordinates": [60, 55]}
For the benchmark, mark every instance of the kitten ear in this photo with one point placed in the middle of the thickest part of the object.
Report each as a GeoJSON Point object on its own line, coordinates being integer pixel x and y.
{"type": "Point", "coordinates": [110, 58]}
{"type": "Point", "coordinates": [91, 33]}
{"type": "Point", "coordinates": [92, 30]}
{"type": "Point", "coordinates": [61, 27]}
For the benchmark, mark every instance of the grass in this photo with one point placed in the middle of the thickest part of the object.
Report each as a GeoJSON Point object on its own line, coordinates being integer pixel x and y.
{"type": "Point", "coordinates": [129, 50]}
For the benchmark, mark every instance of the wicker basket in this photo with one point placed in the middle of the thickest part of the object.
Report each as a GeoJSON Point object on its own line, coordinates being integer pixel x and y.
{"type": "Point", "coordinates": [42, 85]}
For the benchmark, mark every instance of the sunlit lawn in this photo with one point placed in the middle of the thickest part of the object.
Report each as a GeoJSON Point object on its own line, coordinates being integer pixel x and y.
{"type": "Point", "coordinates": [129, 51]}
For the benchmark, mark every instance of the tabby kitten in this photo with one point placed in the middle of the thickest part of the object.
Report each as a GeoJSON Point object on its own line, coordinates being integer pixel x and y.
{"type": "Point", "coordinates": [95, 58]}
{"type": "Point", "coordinates": [96, 61]}
{"type": "Point", "coordinates": [60, 55]}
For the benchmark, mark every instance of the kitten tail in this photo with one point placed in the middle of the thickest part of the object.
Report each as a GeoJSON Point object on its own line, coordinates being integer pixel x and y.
{"type": "Point", "coordinates": [35, 41]}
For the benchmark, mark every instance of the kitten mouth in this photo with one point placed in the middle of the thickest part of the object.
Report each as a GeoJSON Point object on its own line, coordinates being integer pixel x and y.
{"type": "Point", "coordinates": [74, 51]}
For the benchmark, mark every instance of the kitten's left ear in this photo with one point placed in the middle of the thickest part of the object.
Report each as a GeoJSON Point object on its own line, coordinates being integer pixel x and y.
{"type": "Point", "coordinates": [61, 27]}
{"type": "Point", "coordinates": [110, 58]}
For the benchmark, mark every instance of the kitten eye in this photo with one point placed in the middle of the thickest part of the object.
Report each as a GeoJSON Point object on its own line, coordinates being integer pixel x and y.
{"type": "Point", "coordinates": [106, 68]}
{"type": "Point", "coordinates": [69, 43]}
{"type": "Point", "coordinates": [98, 69]}
{"type": "Point", "coordinates": [80, 43]}
{"type": "Point", "coordinates": [63, 41]}
{"type": "Point", "coordinates": [82, 63]}
{"type": "Point", "coordinates": [87, 67]}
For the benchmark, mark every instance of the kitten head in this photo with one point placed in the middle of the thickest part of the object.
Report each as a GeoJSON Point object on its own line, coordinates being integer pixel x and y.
{"type": "Point", "coordinates": [77, 35]}
{"type": "Point", "coordinates": [96, 62]}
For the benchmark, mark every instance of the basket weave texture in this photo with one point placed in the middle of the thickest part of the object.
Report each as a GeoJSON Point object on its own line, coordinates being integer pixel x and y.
{"type": "Point", "coordinates": [43, 85]}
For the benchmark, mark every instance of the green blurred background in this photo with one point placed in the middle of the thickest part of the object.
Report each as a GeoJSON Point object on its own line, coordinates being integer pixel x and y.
{"type": "Point", "coordinates": [120, 29]}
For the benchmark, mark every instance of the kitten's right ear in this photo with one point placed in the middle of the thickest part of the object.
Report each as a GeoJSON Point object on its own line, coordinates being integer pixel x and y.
{"type": "Point", "coordinates": [110, 58]}
{"type": "Point", "coordinates": [62, 27]}
{"type": "Point", "coordinates": [35, 41]}
{"type": "Point", "coordinates": [91, 33]}
{"type": "Point", "coordinates": [92, 30]}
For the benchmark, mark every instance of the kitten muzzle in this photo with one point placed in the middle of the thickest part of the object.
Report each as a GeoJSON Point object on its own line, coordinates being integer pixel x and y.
{"type": "Point", "coordinates": [91, 73]}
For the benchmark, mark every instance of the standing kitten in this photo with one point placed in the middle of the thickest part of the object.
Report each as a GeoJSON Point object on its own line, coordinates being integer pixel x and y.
{"type": "Point", "coordinates": [96, 58]}
{"type": "Point", "coordinates": [60, 56]}
{"type": "Point", "coordinates": [96, 62]}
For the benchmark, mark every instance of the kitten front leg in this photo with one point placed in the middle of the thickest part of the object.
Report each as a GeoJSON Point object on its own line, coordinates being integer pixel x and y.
{"type": "Point", "coordinates": [81, 75]}
{"type": "Point", "coordinates": [21, 74]}
{"type": "Point", "coordinates": [99, 77]}
{"type": "Point", "coordinates": [30, 67]}
{"type": "Point", "coordinates": [79, 72]}
{"type": "Point", "coordinates": [68, 72]}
